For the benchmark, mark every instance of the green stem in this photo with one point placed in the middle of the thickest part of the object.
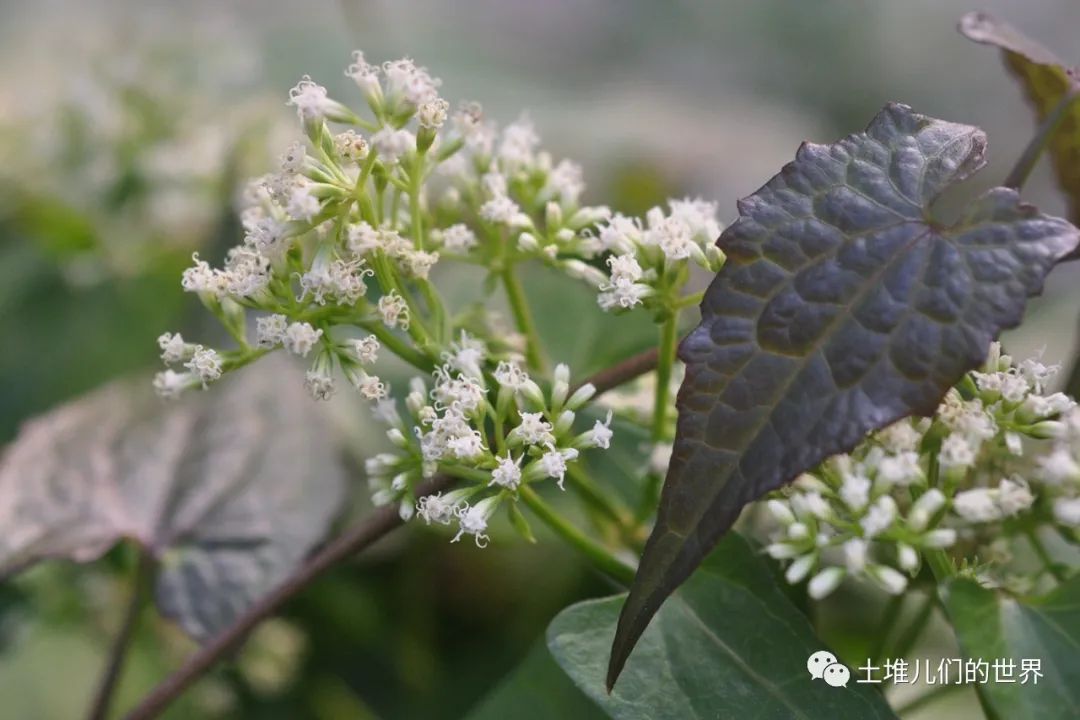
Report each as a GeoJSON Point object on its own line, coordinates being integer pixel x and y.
{"type": "Point", "coordinates": [1030, 157]}
{"type": "Point", "coordinates": [396, 345]}
{"type": "Point", "coordinates": [519, 305]}
{"type": "Point", "coordinates": [99, 708]}
{"type": "Point", "coordinates": [666, 360]}
{"type": "Point", "coordinates": [689, 300]}
{"type": "Point", "coordinates": [1044, 556]}
{"type": "Point", "coordinates": [911, 634]}
{"type": "Point", "coordinates": [940, 565]}
{"type": "Point", "coordinates": [888, 619]}
{"type": "Point", "coordinates": [416, 177]}
{"type": "Point", "coordinates": [596, 554]}
{"type": "Point", "coordinates": [580, 481]}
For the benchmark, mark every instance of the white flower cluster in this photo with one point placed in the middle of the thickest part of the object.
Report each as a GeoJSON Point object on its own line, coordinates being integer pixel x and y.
{"type": "Point", "coordinates": [495, 427]}
{"type": "Point", "coordinates": [647, 259]}
{"type": "Point", "coordinates": [950, 482]}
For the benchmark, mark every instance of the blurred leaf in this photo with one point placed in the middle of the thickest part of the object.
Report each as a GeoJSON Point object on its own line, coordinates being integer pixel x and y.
{"type": "Point", "coordinates": [843, 307]}
{"type": "Point", "coordinates": [990, 626]}
{"type": "Point", "coordinates": [728, 644]}
{"type": "Point", "coordinates": [227, 489]}
{"type": "Point", "coordinates": [536, 690]}
{"type": "Point", "coordinates": [1045, 80]}
{"type": "Point", "coordinates": [59, 229]}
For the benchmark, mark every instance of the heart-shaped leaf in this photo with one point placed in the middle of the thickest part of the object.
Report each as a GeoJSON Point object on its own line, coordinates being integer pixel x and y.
{"type": "Point", "coordinates": [228, 489]}
{"type": "Point", "coordinates": [993, 628]}
{"type": "Point", "coordinates": [842, 307]}
{"type": "Point", "coordinates": [1046, 80]}
{"type": "Point", "coordinates": [537, 689]}
{"type": "Point", "coordinates": [729, 644]}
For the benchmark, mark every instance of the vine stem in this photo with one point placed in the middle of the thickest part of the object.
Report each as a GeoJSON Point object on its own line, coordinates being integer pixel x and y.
{"type": "Point", "coordinates": [114, 667]}
{"type": "Point", "coordinates": [665, 361]}
{"type": "Point", "coordinates": [352, 541]}
{"type": "Point", "coordinates": [1030, 157]}
{"type": "Point", "coordinates": [519, 305]}
{"type": "Point", "coordinates": [596, 553]}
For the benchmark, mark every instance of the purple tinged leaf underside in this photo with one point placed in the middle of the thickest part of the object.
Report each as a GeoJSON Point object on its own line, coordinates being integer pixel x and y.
{"type": "Point", "coordinates": [841, 309]}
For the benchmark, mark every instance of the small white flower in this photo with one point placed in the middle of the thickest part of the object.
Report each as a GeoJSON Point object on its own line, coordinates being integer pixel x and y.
{"type": "Point", "coordinates": [350, 146]}
{"type": "Point", "coordinates": [292, 161]}
{"type": "Point", "coordinates": [601, 433]}
{"type": "Point", "coordinates": [432, 114]}
{"type": "Point", "coordinates": [362, 238]}
{"type": "Point", "coordinates": [436, 508]}
{"type": "Point", "coordinates": [169, 384]}
{"type": "Point", "coordinates": [458, 238]}
{"type": "Point", "coordinates": [392, 144]}
{"type": "Point", "coordinates": [956, 452]}
{"type": "Point", "coordinates": [623, 294]}
{"type": "Point", "coordinates": [533, 430]}
{"type": "Point", "coordinates": [270, 330]}
{"type": "Point", "coordinates": [553, 463]}
{"type": "Point", "coordinates": [1013, 496]}
{"type": "Point", "coordinates": [855, 490]}
{"type": "Point", "coordinates": [409, 83]}
{"type": "Point", "coordinates": [394, 310]}
{"type": "Point", "coordinates": [474, 520]}
{"type": "Point", "coordinates": [309, 98]}
{"type": "Point", "coordinates": [976, 505]}
{"type": "Point", "coordinates": [201, 278]}
{"type": "Point", "coordinates": [500, 210]}
{"type": "Point", "coordinates": [366, 77]}
{"type": "Point", "coordinates": [173, 348]}
{"type": "Point", "coordinates": [624, 267]}
{"type": "Point", "coordinates": [303, 204]}
{"type": "Point", "coordinates": [879, 517]}
{"type": "Point", "coordinates": [900, 469]}
{"type": "Point", "coordinates": [507, 473]}
{"type": "Point", "coordinates": [205, 363]}
{"type": "Point", "coordinates": [418, 263]}
{"type": "Point", "coordinates": [371, 387]}
{"type": "Point", "coordinates": [365, 350]}
{"type": "Point", "coordinates": [300, 338]}
{"type": "Point", "coordinates": [1058, 468]}
{"type": "Point", "coordinates": [320, 384]}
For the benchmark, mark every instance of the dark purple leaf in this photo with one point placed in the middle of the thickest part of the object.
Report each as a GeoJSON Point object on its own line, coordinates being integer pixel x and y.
{"type": "Point", "coordinates": [842, 307]}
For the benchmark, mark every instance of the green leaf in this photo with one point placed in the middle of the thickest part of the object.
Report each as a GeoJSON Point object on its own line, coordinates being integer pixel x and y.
{"type": "Point", "coordinates": [729, 644]}
{"type": "Point", "coordinates": [1045, 80]}
{"type": "Point", "coordinates": [843, 307]}
{"type": "Point", "coordinates": [536, 690]}
{"type": "Point", "coordinates": [227, 489]}
{"type": "Point", "coordinates": [991, 626]}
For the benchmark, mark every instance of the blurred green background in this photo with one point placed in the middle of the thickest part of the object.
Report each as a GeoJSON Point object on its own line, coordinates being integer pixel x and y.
{"type": "Point", "coordinates": [126, 127]}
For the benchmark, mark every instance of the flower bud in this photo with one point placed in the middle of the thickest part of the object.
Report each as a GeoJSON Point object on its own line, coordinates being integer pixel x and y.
{"type": "Point", "coordinates": [890, 580]}
{"type": "Point", "coordinates": [781, 512]}
{"type": "Point", "coordinates": [800, 568]}
{"type": "Point", "coordinates": [825, 582]}
{"type": "Point", "coordinates": [924, 508]}
{"type": "Point", "coordinates": [553, 215]}
{"type": "Point", "coordinates": [527, 243]}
